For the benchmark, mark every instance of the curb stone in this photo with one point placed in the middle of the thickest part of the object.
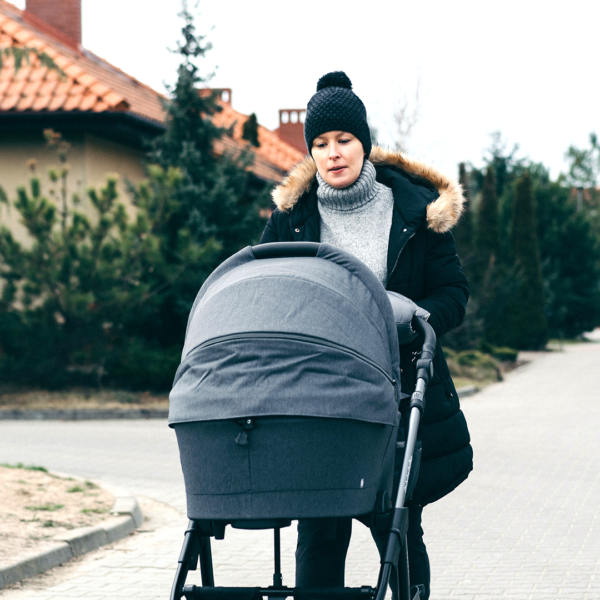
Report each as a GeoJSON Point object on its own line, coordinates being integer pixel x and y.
{"type": "Point", "coordinates": [83, 414]}
{"type": "Point", "coordinates": [75, 543]}
{"type": "Point", "coordinates": [467, 390]}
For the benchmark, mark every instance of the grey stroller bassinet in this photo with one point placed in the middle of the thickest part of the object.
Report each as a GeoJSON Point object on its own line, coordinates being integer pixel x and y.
{"type": "Point", "coordinates": [286, 401]}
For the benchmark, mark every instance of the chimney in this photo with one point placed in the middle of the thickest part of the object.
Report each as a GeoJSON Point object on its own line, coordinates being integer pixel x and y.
{"type": "Point", "coordinates": [291, 127]}
{"type": "Point", "coordinates": [224, 94]}
{"type": "Point", "coordinates": [62, 15]}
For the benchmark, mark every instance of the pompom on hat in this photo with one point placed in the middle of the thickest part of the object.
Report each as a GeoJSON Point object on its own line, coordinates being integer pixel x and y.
{"type": "Point", "coordinates": [335, 107]}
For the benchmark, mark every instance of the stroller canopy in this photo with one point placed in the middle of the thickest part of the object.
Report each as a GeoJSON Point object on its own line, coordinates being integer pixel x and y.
{"type": "Point", "coordinates": [302, 336]}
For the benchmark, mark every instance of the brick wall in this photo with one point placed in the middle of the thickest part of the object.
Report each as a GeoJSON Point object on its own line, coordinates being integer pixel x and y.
{"type": "Point", "coordinates": [64, 15]}
{"type": "Point", "coordinates": [291, 127]}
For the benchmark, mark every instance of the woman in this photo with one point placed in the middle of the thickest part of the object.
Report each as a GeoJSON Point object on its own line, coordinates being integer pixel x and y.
{"type": "Point", "coordinates": [395, 215]}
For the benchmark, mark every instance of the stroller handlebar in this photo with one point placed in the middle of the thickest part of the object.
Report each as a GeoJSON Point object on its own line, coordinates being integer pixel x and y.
{"type": "Point", "coordinates": [286, 250]}
{"type": "Point", "coordinates": [429, 337]}
{"type": "Point", "coordinates": [424, 364]}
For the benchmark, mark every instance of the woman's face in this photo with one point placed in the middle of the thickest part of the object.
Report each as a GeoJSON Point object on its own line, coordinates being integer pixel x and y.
{"type": "Point", "coordinates": [339, 157]}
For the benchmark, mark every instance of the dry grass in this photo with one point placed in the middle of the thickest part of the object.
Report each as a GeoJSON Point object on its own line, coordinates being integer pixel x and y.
{"type": "Point", "coordinates": [26, 399]}
{"type": "Point", "coordinates": [36, 505]}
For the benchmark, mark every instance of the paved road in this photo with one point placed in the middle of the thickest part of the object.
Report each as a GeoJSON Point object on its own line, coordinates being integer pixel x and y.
{"type": "Point", "coordinates": [526, 524]}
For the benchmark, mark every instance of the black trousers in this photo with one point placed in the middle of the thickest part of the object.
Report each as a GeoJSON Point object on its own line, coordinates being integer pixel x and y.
{"type": "Point", "coordinates": [323, 545]}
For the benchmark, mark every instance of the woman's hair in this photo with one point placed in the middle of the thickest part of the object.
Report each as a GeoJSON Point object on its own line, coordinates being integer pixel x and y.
{"type": "Point", "coordinates": [335, 107]}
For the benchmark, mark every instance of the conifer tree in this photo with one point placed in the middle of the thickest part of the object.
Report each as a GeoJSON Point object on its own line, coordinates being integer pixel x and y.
{"type": "Point", "coordinates": [571, 278]}
{"type": "Point", "coordinates": [467, 334]}
{"type": "Point", "coordinates": [219, 197]}
{"type": "Point", "coordinates": [463, 232]}
{"type": "Point", "coordinates": [525, 325]}
{"type": "Point", "coordinates": [505, 163]}
{"type": "Point", "coordinates": [488, 232]}
{"type": "Point", "coordinates": [250, 130]}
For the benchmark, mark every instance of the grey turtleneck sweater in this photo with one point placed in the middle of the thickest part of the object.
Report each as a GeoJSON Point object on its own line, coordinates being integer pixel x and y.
{"type": "Point", "coordinates": [358, 219]}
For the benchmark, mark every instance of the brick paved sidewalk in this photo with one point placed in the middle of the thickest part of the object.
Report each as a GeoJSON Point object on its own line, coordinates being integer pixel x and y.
{"type": "Point", "coordinates": [525, 525]}
{"type": "Point", "coordinates": [144, 565]}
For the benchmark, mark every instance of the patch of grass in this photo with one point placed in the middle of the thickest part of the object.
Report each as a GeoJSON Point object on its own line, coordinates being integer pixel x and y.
{"type": "Point", "coordinates": [460, 382]}
{"type": "Point", "coordinates": [49, 506]}
{"type": "Point", "coordinates": [473, 365]}
{"type": "Point", "coordinates": [95, 511]}
{"type": "Point", "coordinates": [554, 345]}
{"type": "Point", "coordinates": [89, 485]}
{"type": "Point", "coordinates": [125, 397]}
{"type": "Point", "coordinates": [48, 524]}
{"type": "Point", "coordinates": [75, 488]}
{"type": "Point", "coordinates": [26, 467]}
{"type": "Point", "coordinates": [21, 481]}
{"type": "Point", "coordinates": [570, 341]}
{"type": "Point", "coordinates": [501, 353]}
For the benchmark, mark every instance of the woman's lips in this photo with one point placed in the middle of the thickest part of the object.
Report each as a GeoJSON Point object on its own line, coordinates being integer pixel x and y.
{"type": "Point", "coordinates": [336, 169]}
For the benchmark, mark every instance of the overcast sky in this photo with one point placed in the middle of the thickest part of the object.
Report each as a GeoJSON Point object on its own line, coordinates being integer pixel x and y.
{"type": "Point", "coordinates": [527, 68]}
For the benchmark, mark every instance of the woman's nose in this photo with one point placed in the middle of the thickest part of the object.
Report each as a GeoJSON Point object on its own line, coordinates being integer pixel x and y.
{"type": "Point", "coordinates": [334, 151]}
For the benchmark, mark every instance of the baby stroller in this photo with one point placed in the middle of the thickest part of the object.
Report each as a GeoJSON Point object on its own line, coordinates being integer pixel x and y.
{"type": "Point", "coordinates": [285, 406]}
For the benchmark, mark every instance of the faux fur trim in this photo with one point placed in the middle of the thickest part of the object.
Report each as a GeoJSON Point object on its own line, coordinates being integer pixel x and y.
{"type": "Point", "coordinates": [442, 214]}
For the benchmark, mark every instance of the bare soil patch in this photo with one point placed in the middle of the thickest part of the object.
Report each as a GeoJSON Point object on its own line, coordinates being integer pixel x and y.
{"type": "Point", "coordinates": [12, 398]}
{"type": "Point", "coordinates": [36, 505]}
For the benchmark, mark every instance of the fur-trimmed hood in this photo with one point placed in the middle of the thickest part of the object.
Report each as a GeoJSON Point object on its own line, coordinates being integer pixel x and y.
{"type": "Point", "coordinates": [442, 214]}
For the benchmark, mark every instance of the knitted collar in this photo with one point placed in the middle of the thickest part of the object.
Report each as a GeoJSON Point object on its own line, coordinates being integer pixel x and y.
{"type": "Point", "coordinates": [361, 192]}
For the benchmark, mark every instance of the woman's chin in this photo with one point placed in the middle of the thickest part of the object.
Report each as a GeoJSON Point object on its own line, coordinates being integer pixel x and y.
{"type": "Point", "coordinates": [340, 182]}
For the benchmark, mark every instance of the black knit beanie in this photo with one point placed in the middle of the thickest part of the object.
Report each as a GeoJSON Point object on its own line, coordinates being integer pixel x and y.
{"type": "Point", "coordinates": [335, 107]}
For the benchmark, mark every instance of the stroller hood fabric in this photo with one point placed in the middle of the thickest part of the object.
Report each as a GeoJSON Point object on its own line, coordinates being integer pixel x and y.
{"type": "Point", "coordinates": [297, 336]}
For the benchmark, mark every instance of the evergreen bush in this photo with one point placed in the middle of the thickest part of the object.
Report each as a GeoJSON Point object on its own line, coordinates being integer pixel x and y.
{"type": "Point", "coordinates": [83, 302]}
{"type": "Point", "coordinates": [570, 255]}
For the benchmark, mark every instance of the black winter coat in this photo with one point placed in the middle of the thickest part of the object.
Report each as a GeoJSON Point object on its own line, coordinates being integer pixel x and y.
{"type": "Point", "coordinates": [422, 265]}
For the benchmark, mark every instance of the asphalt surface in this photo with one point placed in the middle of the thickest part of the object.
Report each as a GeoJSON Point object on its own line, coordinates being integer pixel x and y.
{"type": "Point", "coordinates": [525, 525]}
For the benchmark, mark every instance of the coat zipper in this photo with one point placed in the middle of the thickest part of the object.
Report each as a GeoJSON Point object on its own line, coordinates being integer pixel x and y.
{"type": "Point", "coordinates": [293, 337]}
{"type": "Point", "coordinates": [412, 235]}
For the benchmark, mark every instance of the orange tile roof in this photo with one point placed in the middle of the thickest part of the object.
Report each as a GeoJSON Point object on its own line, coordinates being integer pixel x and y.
{"type": "Point", "coordinates": [272, 159]}
{"type": "Point", "coordinates": [94, 85]}
{"type": "Point", "coordinates": [91, 83]}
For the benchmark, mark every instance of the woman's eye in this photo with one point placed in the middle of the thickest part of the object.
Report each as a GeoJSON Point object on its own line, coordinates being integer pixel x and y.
{"type": "Point", "coordinates": [344, 141]}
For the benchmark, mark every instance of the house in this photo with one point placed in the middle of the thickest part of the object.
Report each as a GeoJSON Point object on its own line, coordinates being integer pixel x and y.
{"type": "Point", "coordinates": [104, 113]}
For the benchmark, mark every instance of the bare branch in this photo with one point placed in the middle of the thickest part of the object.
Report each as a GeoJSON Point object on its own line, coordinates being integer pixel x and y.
{"type": "Point", "coordinates": [406, 117]}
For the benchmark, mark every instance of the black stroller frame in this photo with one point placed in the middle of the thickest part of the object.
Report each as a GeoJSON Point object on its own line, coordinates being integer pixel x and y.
{"type": "Point", "coordinates": [388, 519]}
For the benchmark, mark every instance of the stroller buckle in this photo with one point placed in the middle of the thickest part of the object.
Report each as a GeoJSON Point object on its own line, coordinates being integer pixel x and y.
{"type": "Point", "coordinates": [241, 439]}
